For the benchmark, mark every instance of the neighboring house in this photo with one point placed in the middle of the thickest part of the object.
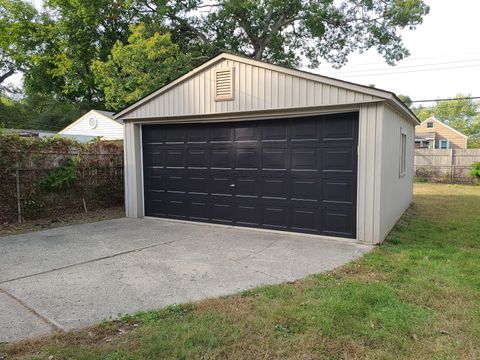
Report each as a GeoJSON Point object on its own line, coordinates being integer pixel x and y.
{"type": "Point", "coordinates": [242, 142]}
{"type": "Point", "coordinates": [31, 133]}
{"type": "Point", "coordinates": [94, 124]}
{"type": "Point", "coordinates": [434, 134]}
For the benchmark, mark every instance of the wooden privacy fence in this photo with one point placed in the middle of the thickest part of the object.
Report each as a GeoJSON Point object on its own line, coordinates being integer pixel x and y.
{"type": "Point", "coordinates": [33, 186]}
{"type": "Point", "coordinates": [449, 165]}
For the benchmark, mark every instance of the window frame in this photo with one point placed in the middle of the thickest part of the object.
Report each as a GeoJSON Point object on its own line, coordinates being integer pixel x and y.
{"type": "Point", "coordinates": [440, 144]}
{"type": "Point", "coordinates": [402, 168]}
{"type": "Point", "coordinates": [428, 123]}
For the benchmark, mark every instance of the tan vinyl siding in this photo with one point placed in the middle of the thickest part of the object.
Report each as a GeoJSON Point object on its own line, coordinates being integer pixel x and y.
{"type": "Point", "coordinates": [396, 190]}
{"type": "Point", "coordinates": [369, 173]}
{"type": "Point", "coordinates": [133, 171]}
{"type": "Point", "coordinates": [256, 89]}
{"type": "Point", "coordinates": [442, 132]}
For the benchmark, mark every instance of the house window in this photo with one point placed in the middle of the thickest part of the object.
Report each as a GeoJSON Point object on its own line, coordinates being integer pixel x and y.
{"type": "Point", "coordinates": [429, 124]}
{"type": "Point", "coordinates": [443, 144]}
{"type": "Point", "coordinates": [403, 152]}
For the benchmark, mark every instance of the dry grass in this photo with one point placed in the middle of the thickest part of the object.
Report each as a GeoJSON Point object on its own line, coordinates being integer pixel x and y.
{"type": "Point", "coordinates": [415, 297]}
{"type": "Point", "coordinates": [69, 219]}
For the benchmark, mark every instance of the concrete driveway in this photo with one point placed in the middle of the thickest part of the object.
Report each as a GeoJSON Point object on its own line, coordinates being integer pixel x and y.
{"type": "Point", "coordinates": [74, 276]}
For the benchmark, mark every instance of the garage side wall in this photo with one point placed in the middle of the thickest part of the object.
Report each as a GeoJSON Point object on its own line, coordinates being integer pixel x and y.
{"type": "Point", "coordinates": [369, 173]}
{"type": "Point", "coordinates": [396, 189]}
{"type": "Point", "coordinates": [133, 171]}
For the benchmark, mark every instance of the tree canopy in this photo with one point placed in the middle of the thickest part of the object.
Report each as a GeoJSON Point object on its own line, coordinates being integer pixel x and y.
{"type": "Point", "coordinates": [71, 51]}
{"type": "Point", "coordinates": [145, 63]}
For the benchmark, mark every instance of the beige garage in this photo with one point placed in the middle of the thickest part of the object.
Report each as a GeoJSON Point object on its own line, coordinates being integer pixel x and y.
{"type": "Point", "coordinates": [241, 142]}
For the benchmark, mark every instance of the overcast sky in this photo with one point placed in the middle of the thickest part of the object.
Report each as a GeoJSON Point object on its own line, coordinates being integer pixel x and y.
{"type": "Point", "coordinates": [448, 40]}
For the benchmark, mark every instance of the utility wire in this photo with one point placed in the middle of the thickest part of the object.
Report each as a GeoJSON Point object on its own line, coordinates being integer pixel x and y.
{"type": "Point", "coordinates": [409, 71]}
{"type": "Point", "coordinates": [400, 67]}
{"type": "Point", "coordinates": [434, 100]}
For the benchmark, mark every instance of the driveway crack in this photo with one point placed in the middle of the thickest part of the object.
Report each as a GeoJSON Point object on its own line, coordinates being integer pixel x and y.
{"type": "Point", "coordinates": [49, 322]}
{"type": "Point", "coordinates": [257, 271]}
{"type": "Point", "coordinates": [259, 251]}
{"type": "Point", "coordinates": [88, 261]}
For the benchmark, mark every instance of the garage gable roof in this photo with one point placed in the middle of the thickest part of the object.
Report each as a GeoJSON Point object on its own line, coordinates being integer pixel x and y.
{"type": "Point", "coordinates": [257, 86]}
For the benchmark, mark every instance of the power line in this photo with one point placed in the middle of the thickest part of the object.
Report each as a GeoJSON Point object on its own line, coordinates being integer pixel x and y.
{"type": "Point", "coordinates": [409, 59]}
{"type": "Point", "coordinates": [409, 71]}
{"type": "Point", "coordinates": [434, 100]}
{"type": "Point", "coordinates": [401, 67]}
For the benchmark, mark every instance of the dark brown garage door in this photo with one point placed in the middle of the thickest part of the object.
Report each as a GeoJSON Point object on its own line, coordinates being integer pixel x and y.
{"type": "Point", "coordinates": [296, 174]}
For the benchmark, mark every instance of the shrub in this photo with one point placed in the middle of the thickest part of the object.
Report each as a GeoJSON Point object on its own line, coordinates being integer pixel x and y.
{"type": "Point", "coordinates": [61, 177]}
{"type": "Point", "coordinates": [475, 172]}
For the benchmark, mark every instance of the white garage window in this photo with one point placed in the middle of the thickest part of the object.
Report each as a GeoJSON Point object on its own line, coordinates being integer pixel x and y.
{"type": "Point", "coordinates": [403, 152]}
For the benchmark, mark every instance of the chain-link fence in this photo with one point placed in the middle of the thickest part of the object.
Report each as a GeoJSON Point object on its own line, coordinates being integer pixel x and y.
{"type": "Point", "coordinates": [53, 182]}
{"type": "Point", "coordinates": [447, 166]}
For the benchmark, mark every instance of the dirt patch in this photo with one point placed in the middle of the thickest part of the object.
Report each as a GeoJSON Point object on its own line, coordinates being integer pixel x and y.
{"type": "Point", "coordinates": [69, 219]}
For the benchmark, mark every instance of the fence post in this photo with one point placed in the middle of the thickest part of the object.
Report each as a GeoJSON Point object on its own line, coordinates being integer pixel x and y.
{"type": "Point", "coordinates": [17, 180]}
{"type": "Point", "coordinates": [452, 167]}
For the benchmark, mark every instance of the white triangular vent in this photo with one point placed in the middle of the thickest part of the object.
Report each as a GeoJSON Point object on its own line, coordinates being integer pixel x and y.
{"type": "Point", "coordinates": [224, 84]}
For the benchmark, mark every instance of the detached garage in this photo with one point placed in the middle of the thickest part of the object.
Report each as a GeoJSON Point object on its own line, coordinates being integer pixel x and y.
{"type": "Point", "coordinates": [242, 142]}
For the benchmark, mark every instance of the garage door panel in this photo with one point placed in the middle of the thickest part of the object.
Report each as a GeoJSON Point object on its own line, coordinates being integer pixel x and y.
{"type": "Point", "coordinates": [246, 157]}
{"type": "Point", "coordinates": [197, 158]}
{"type": "Point", "coordinates": [155, 182]}
{"type": "Point", "coordinates": [176, 134]}
{"type": "Point", "coordinates": [304, 158]}
{"type": "Point", "coordinates": [197, 134]}
{"type": "Point", "coordinates": [156, 155]}
{"type": "Point", "coordinates": [175, 206]}
{"type": "Point", "coordinates": [199, 208]}
{"type": "Point", "coordinates": [221, 184]}
{"type": "Point", "coordinates": [221, 133]}
{"type": "Point", "coordinates": [275, 216]}
{"type": "Point", "coordinates": [246, 132]}
{"type": "Point", "coordinates": [304, 129]}
{"type": "Point", "coordinates": [274, 187]}
{"type": "Point", "coordinates": [337, 128]}
{"type": "Point", "coordinates": [247, 212]}
{"type": "Point", "coordinates": [175, 183]}
{"type": "Point", "coordinates": [274, 131]}
{"type": "Point", "coordinates": [274, 158]}
{"type": "Point", "coordinates": [222, 157]}
{"type": "Point", "coordinates": [294, 174]}
{"type": "Point", "coordinates": [338, 159]}
{"type": "Point", "coordinates": [338, 190]}
{"type": "Point", "coordinates": [304, 188]}
{"type": "Point", "coordinates": [305, 219]}
{"type": "Point", "coordinates": [175, 158]}
{"type": "Point", "coordinates": [198, 183]}
{"type": "Point", "coordinates": [247, 185]}
{"type": "Point", "coordinates": [222, 211]}
{"type": "Point", "coordinates": [338, 221]}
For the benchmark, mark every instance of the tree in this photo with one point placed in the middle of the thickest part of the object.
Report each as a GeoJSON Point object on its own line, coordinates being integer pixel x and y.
{"type": "Point", "coordinates": [461, 113]}
{"type": "Point", "coordinates": [20, 32]}
{"type": "Point", "coordinates": [284, 32]}
{"type": "Point", "coordinates": [81, 32]}
{"type": "Point", "coordinates": [147, 62]}
{"type": "Point", "coordinates": [405, 99]}
{"type": "Point", "coordinates": [38, 112]}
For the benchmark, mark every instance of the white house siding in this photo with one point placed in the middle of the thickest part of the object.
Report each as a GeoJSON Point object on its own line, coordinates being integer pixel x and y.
{"type": "Point", "coordinates": [107, 128]}
{"type": "Point", "coordinates": [396, 191]}
{"type": "Point", "coordinates": [256, 88]}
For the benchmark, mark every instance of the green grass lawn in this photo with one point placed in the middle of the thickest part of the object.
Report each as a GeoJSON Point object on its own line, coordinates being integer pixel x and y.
{"type": "Point", "coordinates": [417, 296]}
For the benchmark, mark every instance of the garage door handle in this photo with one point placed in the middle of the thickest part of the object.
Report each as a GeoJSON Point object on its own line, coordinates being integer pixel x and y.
{"type": "Point", "coordinates": [232, 185]}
